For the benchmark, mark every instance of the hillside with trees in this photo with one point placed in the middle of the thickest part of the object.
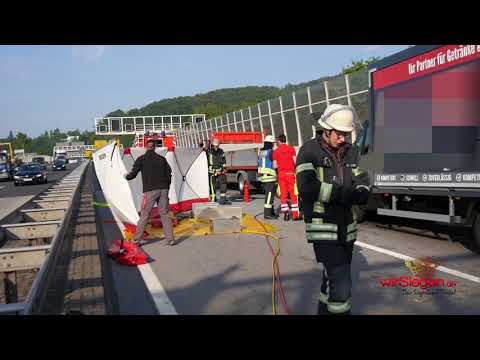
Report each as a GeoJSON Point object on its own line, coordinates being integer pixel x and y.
{"type": "Point", "coordinates": [219, 102]}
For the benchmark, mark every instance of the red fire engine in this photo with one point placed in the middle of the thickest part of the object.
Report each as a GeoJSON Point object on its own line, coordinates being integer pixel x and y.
{"type": "Point", "coordinates": [161, 140]}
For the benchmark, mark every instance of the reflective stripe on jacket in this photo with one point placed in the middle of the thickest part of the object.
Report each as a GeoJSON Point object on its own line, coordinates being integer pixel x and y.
{"type": "Point", "coordinates": [265, 166]}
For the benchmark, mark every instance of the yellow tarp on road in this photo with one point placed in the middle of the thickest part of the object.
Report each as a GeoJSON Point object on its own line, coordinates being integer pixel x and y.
{"type": "Point", "coordinates": [201, 227]}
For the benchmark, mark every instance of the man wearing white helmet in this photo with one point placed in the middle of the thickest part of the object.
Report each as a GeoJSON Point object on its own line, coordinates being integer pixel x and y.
{"type": "Point", "coordinates": [268, 176]}
{"type": "Point", "coordinates": [330, 182]}
{"type": "Point", "coordinates": [217, 172]}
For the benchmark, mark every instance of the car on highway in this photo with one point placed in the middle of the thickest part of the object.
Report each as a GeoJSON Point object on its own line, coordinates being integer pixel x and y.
{"type": "Point", "coordinates": [59, 164]}
{"type": "Point", "coordinates": [5, 172]}
{"type": "Point", "coordinates": [33, 173]}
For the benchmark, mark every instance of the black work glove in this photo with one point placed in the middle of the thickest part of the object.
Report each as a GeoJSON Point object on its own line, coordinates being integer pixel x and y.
{"type": "Point", "coordinates": [360, 195]}
{"type": "Point", "coordinates": [348, 196]}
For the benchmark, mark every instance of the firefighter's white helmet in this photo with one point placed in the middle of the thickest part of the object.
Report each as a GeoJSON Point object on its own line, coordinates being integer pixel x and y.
{"type": "Point", "coordinates": [338, 117]}
{"type": "Point", "coordinates": [269, 138]}
{"type": "Point", "coordinates": [216, 142]}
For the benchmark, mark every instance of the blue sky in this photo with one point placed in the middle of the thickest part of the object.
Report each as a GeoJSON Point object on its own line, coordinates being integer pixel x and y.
{"type": "Point", "coordinates": [44, 87]}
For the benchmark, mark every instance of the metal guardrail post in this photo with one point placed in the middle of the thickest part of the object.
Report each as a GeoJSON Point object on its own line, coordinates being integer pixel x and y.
{"type": "Point", "coordinates": [314, 133]}
{"type": "Point", "coordinates": [235, 121]}
{"type": "Point", "coordinates": [271, 119]}
{"type": "Point", "coordinates": [211, 129]}
{"type": "Point", "coordinates": [190, 141]}
{"type": "Point", "coordinates": [197, 135]}
{"type": "Point", "coordinates": [242, 119]}
{"type": "Point", "coordinates": [299, 132]}
{"type": "Point", "coordinates": [260, 119]}
{"type": "Point", "coordinates": [201, 133]}
{"type": "Point", "coordinates": [190, 135]}
{"type": "Point", "coordinates": [326, 93]}
{"type": "Point", "coordinates": [228, 122]}
{"type": "Point", "coordinates": [347, 86]}
{"type": "Point", "coordinates": [250, 114]}
{"type": "Point", "coordinates": [283, 118]}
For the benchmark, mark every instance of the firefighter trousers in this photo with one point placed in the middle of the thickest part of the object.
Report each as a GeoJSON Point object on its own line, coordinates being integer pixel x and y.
{"type": "Point", "coordinates": [335, 291]}
{"type": "Point", "coordinates": [286, 181]}
{"type": "Point", "coordinates": [216, 182]}
{"type": "Point", "coordinates": [270, 189]}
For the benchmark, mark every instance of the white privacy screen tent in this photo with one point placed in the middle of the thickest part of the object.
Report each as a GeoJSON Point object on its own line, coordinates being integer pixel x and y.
{"type": "Point", "coordinates": [189, 179]}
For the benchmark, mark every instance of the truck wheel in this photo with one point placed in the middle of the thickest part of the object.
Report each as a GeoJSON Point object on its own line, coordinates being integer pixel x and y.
{"type": "Point", "coordinates": [241, 184]}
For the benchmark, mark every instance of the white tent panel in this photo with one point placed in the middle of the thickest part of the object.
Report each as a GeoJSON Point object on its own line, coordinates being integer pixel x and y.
{"type": "Point", "coordinates": [189, 179]}
{"type": "Point", "coordinates": [110, 168]}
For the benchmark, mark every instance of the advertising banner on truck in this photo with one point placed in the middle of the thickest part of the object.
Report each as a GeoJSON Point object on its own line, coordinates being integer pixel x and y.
{"type": "Point", "coordinates": [439, 59]}
{"type": "Point", "coordinates": [444, 179]}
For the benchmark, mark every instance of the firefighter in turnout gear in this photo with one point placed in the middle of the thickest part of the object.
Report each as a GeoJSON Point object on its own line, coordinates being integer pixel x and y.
{"type": "Point", "coordinates": [330, 182]}
{"type": "Point", "coordinates": [217, 173]}
{"type": "Point", "coordinates": [268, 176]}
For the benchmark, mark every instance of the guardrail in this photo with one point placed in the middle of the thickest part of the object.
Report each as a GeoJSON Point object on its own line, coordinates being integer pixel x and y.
{"type": "Point", "coordinates": [33, 255]}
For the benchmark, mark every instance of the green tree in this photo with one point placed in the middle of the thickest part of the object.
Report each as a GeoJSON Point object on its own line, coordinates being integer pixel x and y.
{"type": "Point", "coordinates": [359, 65]}
{"type": "Point", "coordinates": [22, 141]}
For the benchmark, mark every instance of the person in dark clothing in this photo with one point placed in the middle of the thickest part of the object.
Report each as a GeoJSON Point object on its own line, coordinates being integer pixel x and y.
{"type": "Point", "coordinates": [156, 180]}
{"type": "Point", "coordinates": [330, 182]}
{"type": "Point", "coordinates": [217, 173]}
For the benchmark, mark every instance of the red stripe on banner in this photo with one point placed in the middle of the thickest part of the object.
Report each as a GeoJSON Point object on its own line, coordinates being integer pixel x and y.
{"type": "Point", "coordinates": [439, 59]}
{"type": "Point", "coordinates": [186, 205]}
{"type": "Point", "coordinates": [460, 85]}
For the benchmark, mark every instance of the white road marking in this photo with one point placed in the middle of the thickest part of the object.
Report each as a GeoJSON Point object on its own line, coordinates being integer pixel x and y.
{"type": "Point", "coordinates": [405, 257]}
{"type": "Point", "coordinates": [159, 296]}
{"type": "Point", "coordinates": [162, 302]}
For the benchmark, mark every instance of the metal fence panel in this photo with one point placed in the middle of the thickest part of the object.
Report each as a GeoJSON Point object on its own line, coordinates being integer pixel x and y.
{"type": "Point", "coordinates": [358, 81]}
{"type": "Point", "coordinates": [291, 128]}
{"type": "Point", "coordinates": [291, 113]}
{"type": "Point", "coordinates": [336, 88]}
{"type": "Point", "coordinates": [277, 124]}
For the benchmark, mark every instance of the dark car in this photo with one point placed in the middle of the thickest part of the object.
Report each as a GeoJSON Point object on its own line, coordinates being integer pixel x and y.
{"type": "Point", "coordinates": [30, 174]}
{"type": "Point", "coordinates": [59, 164]}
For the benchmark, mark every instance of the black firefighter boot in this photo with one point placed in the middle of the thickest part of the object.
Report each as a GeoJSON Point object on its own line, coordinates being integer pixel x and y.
{"type": "Point", "coordinates": [322, 309]}
{"type": "Point", "coordinates": [268, 213]}
{"type": "Point", "coordinates": [272, 213]}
